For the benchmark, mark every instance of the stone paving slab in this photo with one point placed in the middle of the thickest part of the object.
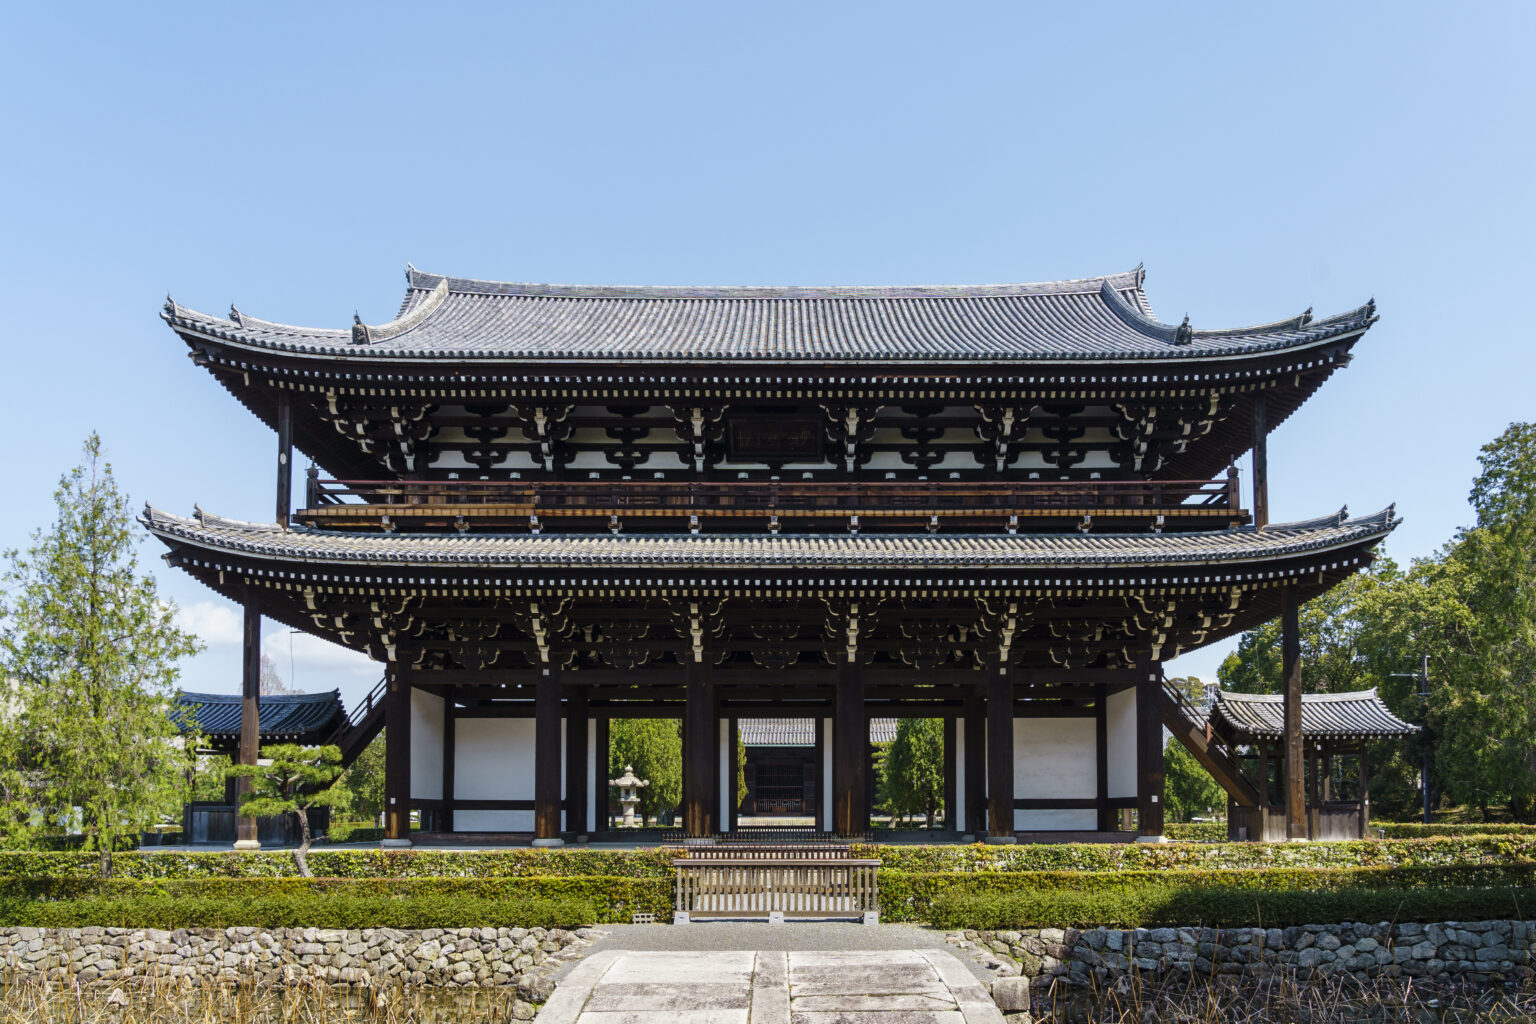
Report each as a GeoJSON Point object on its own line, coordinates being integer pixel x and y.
{"type": "Point", "coordinates": [921, 986]}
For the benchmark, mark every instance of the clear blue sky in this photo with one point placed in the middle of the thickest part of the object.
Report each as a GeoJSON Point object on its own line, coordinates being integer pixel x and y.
{"type": "Point", "coordinates": [292, 158]}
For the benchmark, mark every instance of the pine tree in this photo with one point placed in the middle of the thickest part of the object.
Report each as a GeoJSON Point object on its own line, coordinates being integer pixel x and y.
{"type": "Point", "coordinates": [293, 779]}
{"type": "Point", "coordinates": [90, 651]}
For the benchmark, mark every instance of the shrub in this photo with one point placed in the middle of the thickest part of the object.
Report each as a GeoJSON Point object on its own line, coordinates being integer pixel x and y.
{"type": "Point", "coordinates": [1419, 830]}
{"type": "Point", "coordinates": [1196, 831]}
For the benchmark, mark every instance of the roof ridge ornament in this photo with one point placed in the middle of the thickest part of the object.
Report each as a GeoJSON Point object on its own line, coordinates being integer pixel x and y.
{"type": "Point", "coordinates": [234, 315]}
{"type": "Point", "coordinates": [1306, 316]}
{"type": "Point", "coordinates": [1184, 334]}
{"type": "Point", "coordinates": [360, 335]}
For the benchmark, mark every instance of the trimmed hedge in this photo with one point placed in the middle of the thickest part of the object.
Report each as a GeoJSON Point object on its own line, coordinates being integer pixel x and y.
{"type": "Point", "coordinates": [656, 863]}
{"type": "Point", "coordinates": [1196, 831]}
{"type": "Point", "coordinates": [1419, 830]}
{"type": "Point", "coordinates": [565, 902]}
{"type": "Point", "coordinates": [1134, 899]}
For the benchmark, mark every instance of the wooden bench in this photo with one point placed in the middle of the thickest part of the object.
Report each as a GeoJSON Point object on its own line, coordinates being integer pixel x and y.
{"type": "Point", "coordinates": [776, 888]}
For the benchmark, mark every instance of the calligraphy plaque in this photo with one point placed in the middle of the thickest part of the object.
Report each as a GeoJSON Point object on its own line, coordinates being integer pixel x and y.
{"type": "Point", "coordinates": [775, 440]}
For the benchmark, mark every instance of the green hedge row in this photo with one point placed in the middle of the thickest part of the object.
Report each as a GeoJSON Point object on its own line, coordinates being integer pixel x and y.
{"type": "Point", "coordinates": [1419, 830]}
{"type": "Point", "coordinates": [1196, 831]}
{"type": "Point", "coordinates": [1275, 896]}
{"type": "Point", "coordinates": [550, 901]}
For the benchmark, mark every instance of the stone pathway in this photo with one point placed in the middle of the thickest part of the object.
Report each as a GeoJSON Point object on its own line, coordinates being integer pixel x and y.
{"type": "Point", "coordinates": [910, 986]}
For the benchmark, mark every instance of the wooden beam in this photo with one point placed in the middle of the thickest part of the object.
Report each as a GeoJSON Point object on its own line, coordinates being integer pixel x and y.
{"type": "Point", "coordinates": [284, 458]}
{"type": "Point", "coordinates": [1295, 751]}
{"type": "Point", "coordinates": [1260, 460]}
{"type": "Point", "coordinates": [1106, 821]}
{"type": "Point", "coordinates": [546, 759]}
{"type": "Point", "coordinates": [250, 722]}
{"type": "Point", "coordinates": [576, 784]}
{"type": "Point", "coordinates": [850, 751]}
{"type": "Point", "coordinates": [1149, 748]}
{"type": "Point", "coordinates": [600, 779]}
{"type": "Point", "coordinates": [397, 757]}
{"type": "Point", "coordinates": [999, 751]}
{"type": "Point", "coordinates": [699, 768]}
{"type": "Point", "coordinates": [735, 773]}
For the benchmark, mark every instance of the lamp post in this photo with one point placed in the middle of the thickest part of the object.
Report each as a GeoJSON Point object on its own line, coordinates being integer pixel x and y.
{"type": "Point", "coordinates": [1422, 675]}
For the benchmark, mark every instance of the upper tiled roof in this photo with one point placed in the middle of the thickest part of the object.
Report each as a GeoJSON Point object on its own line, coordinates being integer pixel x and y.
{"type": "Point", "coordinates": [738, 551]}
{"type": "Point", "coordinates": [301, 717]}
{"type": "Point", "coordinates": [1337, 715]}
{"type": "Point", "coordinates": [1097, 318]}
{"type": "Point", "coordinates": [801, 732]}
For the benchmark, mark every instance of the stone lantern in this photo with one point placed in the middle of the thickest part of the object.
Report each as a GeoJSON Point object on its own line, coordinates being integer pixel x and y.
{"type": "Point", "coordinates": [629, 794]}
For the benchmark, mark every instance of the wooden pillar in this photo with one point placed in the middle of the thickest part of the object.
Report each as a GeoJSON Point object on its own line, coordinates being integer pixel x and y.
{"type": "Point", "coordinates": [1295, 751]}
{"type": "Point", "coordinates": [250, 721]}
{"type": "Point", "coordinates": [1260, 460]}
{"type": "Point", "coordinates": [850, 751]}
{"type": "Point", "coordinates": [1365, 791]}
{"type": "Point", "coordinates": [952, 817]}
{"type": "Point", "coordinates": [700, 766]}
{"type": "Point", "coordinates": [601, 776]}
{"type": "Point", "coordinates": [450, 757]}
{"type": "Point", "coordinates": [1314, 805]}
{"type": "Point", "coordinates": [735, 773]}
{"type": "Point", "coordinates": [284, 458]}
{"type": "Point", "coordinates": [1106, 816]}
{"type": "Point", "coordinates": [1149, 749]}
{"type": "Point", "coordinates": [821, 815]}
{"type": "Point", "coordinates": [576, 784]}
{"type": "Point", "coordinates": [999, 752]}
{"type": "Point", "coordinates": [974, 816]}
{"type": "Point", "coordinates": [397, 758]}
{"type": "Point", "coordinates": [546, 758]}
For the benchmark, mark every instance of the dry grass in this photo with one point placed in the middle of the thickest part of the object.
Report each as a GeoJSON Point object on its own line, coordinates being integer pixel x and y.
{"type": "Point", "coordinates": [165, 1001]}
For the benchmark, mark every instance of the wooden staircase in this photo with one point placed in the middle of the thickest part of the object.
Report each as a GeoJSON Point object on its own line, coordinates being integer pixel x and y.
{"type": "Point", "coordinates": [1208, 746]}
{"type": "Point", "coordinates": [361, 725]}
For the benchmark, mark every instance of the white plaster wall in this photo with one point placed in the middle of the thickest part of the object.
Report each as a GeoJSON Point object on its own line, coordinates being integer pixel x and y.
{"type": "Point", "coordinates": [592, 776]}
{"type": "Point", "coordinates": [727, 784]}
{"type": "Point", "coordinates": [960, 804]}
{"type": "Point", "coordinates": [493, 760]}
{"type": "Point", "coordinates": [1055, 821]}
{"type": "Point", "coordinates": [1121, 743]}
{"type": "Point", "coordinates": [1054, 759]}
{"type": "Point", "coordinates": [493, 821]}
{"type": "Point", "coordinates": [426, 746]}
{"type": "Point", "coordinates": [826, 774]}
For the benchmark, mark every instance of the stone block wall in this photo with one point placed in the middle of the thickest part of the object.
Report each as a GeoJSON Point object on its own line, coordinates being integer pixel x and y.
{"type": "Point", "coordinates": [1479, 952]}
{"type": "Point", "coordinates": [459, 957]}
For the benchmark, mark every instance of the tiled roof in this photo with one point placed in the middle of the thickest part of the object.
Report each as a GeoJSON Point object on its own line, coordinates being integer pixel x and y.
{"type": "Point", "coordinates": [1099, 318]}
{"type": "Point", "coordinates": [801, 732]}
{"type": "Point", "coordinates": [1337, 715]}
{"type": "Point", "coordinates": [737, 551]}
{"type": "Point", "coordinates": [302, 717]}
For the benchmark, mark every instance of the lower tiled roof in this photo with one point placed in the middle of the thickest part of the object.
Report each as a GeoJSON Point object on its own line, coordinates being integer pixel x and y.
{"type": "Point", "coordinates": [300, 717]}
{"type": "Point", "coordinates": [737, 551]}
{"type": "Point", "coordinates": [1323, 715]}
{"type": "Point", "coordinates": [801, 732]}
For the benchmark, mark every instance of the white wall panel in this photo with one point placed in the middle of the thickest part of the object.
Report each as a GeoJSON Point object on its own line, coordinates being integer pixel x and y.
{"type": "Point", "coordinates": [493, 821]}
{"type": "Point", "coordinates": [493, 760]}
{"type": "Point", "coordinates": [1054, 759]}
{"type": "Point", "coordinates": [1056, 821]}
{"type": "Point", "coordinates": [1121, 720]}
{"type": "Point", "coordinates": [426, 746]}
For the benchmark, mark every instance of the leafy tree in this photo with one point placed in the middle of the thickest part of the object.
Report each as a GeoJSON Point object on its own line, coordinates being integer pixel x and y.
{"type": "Point", "coordinates": [1188, 789]}
{"type": "Point", "coordinates": [91, 649]}
{"type": "Point", "coordinates": [364, 782]}
{"type": "Point", "coordinates": [741, 769]}
{"type": "Point", "coordinates": [914, 767]}
{"type": "Point", "coordinates": [294, 779]}
{"type": "Point", "coordinates": [654, 748]}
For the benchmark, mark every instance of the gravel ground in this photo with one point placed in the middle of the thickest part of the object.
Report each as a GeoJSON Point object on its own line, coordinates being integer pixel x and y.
{"type": "Point", "coordinates": [792, 936]}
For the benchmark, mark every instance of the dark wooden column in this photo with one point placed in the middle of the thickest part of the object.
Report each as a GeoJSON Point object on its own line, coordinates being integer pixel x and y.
{"type": "Point", "coordinates": [546, 758]}
{"type": "Point", "coordinates": [1295, 751]}
{"type": "Point", "coordinates": [734, 774]}
{"type": "Point", "coordinates": [1365, 791]}
{"type": "Point", "coordinates": [1149, 748]}
{"type": "Point", "coordinates": [284, 457]}
{"type": "Point", "coordinates": [250, 721]}
{"type": "Point", "coordinates": [600, 780]}
{"type": "Point", "coordinates": [1260, 460]}
{"type": "Point", "coordinates": [450, 730]}
{"type": "Point", "coordinates": [576, 784]}
{"type": "Point", "coordinates": [397, 757]}
{"type": "Point", "coordinates": [974, 816]}
{"type": "Point", "coordinates": [999, 752]}
{"type": "Point", "coordinates": [952, 817]}
{"type": "Point", "coordinates": [850, 751]}
{"type": "Point", "coordinates": [700, 765]}
{"type": "Point", "coordinates": [1106, 815]}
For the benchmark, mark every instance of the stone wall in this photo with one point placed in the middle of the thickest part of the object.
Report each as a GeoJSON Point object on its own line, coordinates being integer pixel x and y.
{"type": "Point", "coordinates": [456, 957]}
{"type": "Point", "coordinates": [1483, 951]}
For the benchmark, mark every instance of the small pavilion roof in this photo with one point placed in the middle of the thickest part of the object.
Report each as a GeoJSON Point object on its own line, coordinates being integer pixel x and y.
{"type": "Point", "coordinates": [801, 732]}
{"type": "Point", "coordinates": [811, 551]}
{"type": "Point", "coordinates": [1094, 319]}
{"type": "Point", "coordinates": [297, 718]}
{"type": "Point", "coordinates": [1261, 716]}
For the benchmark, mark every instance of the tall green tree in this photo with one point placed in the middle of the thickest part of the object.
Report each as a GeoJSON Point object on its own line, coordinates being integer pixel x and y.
{"type": "Point", "coordinates": [293, 779]}
{"type": "Point", "coordinates": [91, 651]}
{"type": "Point", "coordinates": [364, 781]}
{"type": "Point", "coordinates": [914, 767]}
{"type": "Point", "coordinates": [654, 748]}
{"type": "Point", "coordinates": [1188, 789]}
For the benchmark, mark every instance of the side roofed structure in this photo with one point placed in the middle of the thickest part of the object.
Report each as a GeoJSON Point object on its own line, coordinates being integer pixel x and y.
{"type": "Point", "coordinates": [546, 507]}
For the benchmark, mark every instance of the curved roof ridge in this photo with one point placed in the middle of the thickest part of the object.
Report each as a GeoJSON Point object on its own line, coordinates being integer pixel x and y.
{"type": "Point", "coordinates": [420, 280]}
{"type": "Point", "coordinates": [1270, 698]}
{"type": "Point", "coordinates": [307, 696]}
